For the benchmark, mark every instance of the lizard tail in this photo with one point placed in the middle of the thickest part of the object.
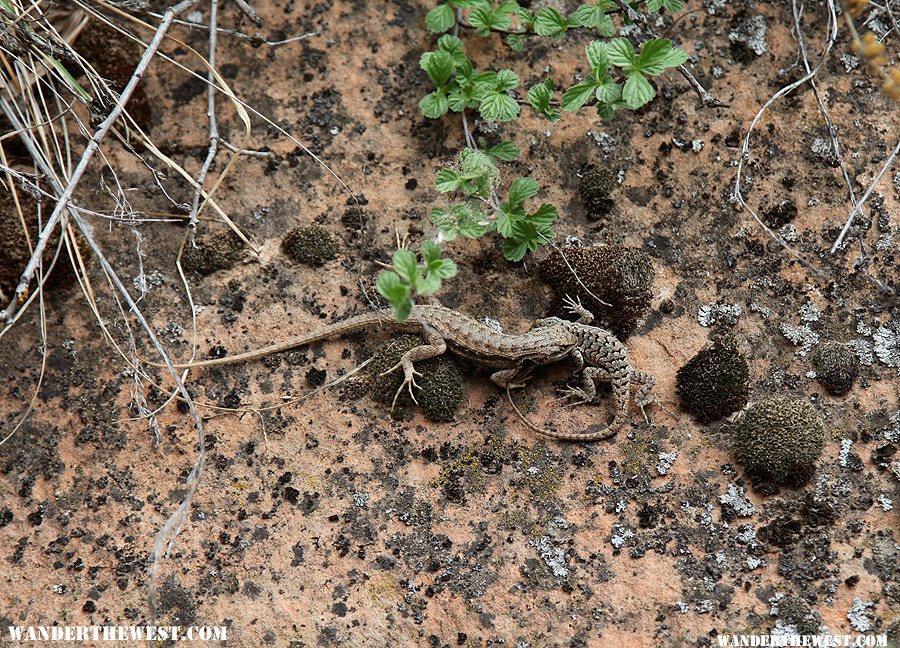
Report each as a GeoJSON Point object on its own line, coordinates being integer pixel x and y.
{"type": "Point", "coordinates": [605, 433]}
{"type": "Point", "coordinates": [331, 331]}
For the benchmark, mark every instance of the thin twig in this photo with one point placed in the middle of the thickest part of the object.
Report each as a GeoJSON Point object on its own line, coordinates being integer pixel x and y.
{"type": "Point", "coordinates": [210, 115]}
{"type": "Point", "coordinates": [92, 146]}
{"type": "Point", "coordinates": [865, 197]}
{"type": "Point", "coordinates": [249, 12]}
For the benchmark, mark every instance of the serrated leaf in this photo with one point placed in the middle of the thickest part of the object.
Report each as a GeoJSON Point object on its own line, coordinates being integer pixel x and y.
{"type": "Point", "coordinates": [447, 180]}
{"type": "Point", "coordinates": [549, 22]}
{"type": "Point", "coordinates": [445, 268]}
{"type": "Point", "coordinates": [465, 4]}
{"type": "Point", "coordinates": [506, 80]}
{"type": "Point", "coordinates": [546, 214]}
{"type": "Point", "coordinates": [430, 252]}
{"type": "Point", "coordinates": [402, 310]}
{"type": "Point", "coordinates": [539, 97]}
{"type": "Point", "coordinates": [578, 95]}
{"type": "Point", "coordinates": [672, 6]}
{"type": "Point", "coordinates": [506, 151]}
{"type": "Point", "coordinates": [438, 65]}
{"type": "Point", "coordinates": [593, 16]}
{"type": "Point", "coordinates": [652, 55]}
{"type": "Point", "coordinates": [504, 223]}
{"type": "Point", "coordinates": [461, 99]}
{"type": "Point", "coordinates": [428, 284]}
{"type": "Point", "coordinates": [482, 19]}
{"type": "Point", "coordinates": [597, 56]}
{"type": "Point", "coordinates": [516, 42]}
{"type": "Point", "coordinates": [676, 57]}
{"type": "Point", "coordinates": [499, 107]}
{"type": "Point", "coordinates": [391, 287]}
{"type": "Point", "coordinates": [440, 19]}
{"type": "Point", "coordinates": [476, 163]}
{"type": "Point", "coordinates": [434, 104]}
{"type": "Point", "coordinates": [620, 52]}
{"type": "Point", "coordinates": [514, 250]}
{"type": "Point", "coordinates": [608, 91]}
{"type": "Point", "coordinates": [454, 47]}
{"type": "Point", "coordinates": [522, 189]}
{"type": "Point", "coordinates": [637, 91]}
{"type": "Point", "coordinates": [404, 262]}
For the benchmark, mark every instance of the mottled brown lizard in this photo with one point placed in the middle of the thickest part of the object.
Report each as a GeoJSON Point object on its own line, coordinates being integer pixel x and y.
{"type": "Point", "coordinates": [597, 353]}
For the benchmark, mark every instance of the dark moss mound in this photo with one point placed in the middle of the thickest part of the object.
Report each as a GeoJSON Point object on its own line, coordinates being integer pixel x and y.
{"type": "Point", "coordinates": [795, 611]}
{"type": "Point", "coordinates": [311, 245]}
{"type": "Point", "coordinates": [441, 383]}
{"type": "Point", "coordinates": [620, 276]}
{"type": "Point", "coordinates": [214, 252]}
{"type": "Point", "coordinates": [778, 439]}
{"type": "Point", "coordinates": [597, 183]}
{"type": "Point", "coordinates": [114, 57]}
{"type": "Point", "coordinates": [714, 383]}
{"type": "Point", "coordinates": [836, 367]}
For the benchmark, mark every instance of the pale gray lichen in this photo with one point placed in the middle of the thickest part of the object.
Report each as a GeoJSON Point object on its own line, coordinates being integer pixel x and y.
{"type": "Point", "coordinates": [858, 615]}
{"type": "Point", "coordinates": [736, 499]}
{"type": "Point", "coordinates": [801, 336]}
{"type": "Point", "coordinates": [666, 459]}
{"type": "Point", "coordinates": [751, 33]}
{"type": "Point", "coordinates": [554, 557]}
{"type": "Point", "coordinates": [844, 456]}
{"type": "Point", "coordinates": [863, 351]}
{"type": "Point", "coordinates": [887, 346]}
{"type": "Point", "coordinates": [710, 314]}
{"type": "Point", "coordinates": [885, 502]}
{"type": "Point", "coordinates": [809, 312]}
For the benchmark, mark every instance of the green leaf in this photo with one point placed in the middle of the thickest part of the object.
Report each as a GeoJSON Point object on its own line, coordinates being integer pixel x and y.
{"type": "Point", "coordinates": [428, 285]}
{"type": "Point", "coordinates": [621, 53]}
{"type": "Point", "coordinates": [637, 91]}
{"type": "Point", "coordinates": [522, 189]}
{"type": "Point", "coordinates": [477, 163]}
{"type": "Point", "coordinates": [465, 4]}
{"type": "Point", "coordinates": [576, 96]}
{"type": "Point", "coordinates": [430, 252]}
{"type": "Point", "coordinates": [549, 22]}
{"type": "Point", "coordinates": [447, 180]}
{"type": "Point", "coordinates": [392, 287]}
{"type": "Point", "coordinates": [514, 250]}
{"type": "Point", "coordinates": [506, 151]}
{"type": "Point", "coordinates": [546, 214]}
{"type": "Point", "coordinates": [440, 19]}
{"type": "Point", "coordinates": [506, 80]}
{"type": "Point", "coordinates": [672, 6]}
{"type": "Point", "coordinates": [593, 16]}
{"type": "Point", "coordinates": [676, 57]}
{"type": "Point", "coordinates": [598, 57]}
{"type": "Point", "coordinates": [483, 19]}
{"type": "Point", "coordinates": [454, 47]}
{"type": "Point", "coordinates": [445, 268]}
{"type": "Point", "coordinates": [499, 107]}
{"type": "Point", "coordinates": [653, 54]}
{"type": "Point", "coordinates": [462, 98]}
{"type": "Point", "coordinates": [402, 309]}
{"type": "Point", "coordinates": [438, 65]}
{"type": "Point", "coordinates": [504, 222]}
{"type": "Point", "coordinates": [404, 262]}
{"type": "Point", "coordinates": [434, 104]}
{"type": "Point", "coordinates": [516, 42]}
{"type": "Point", "coordinates": [608, 91]}
{"type": "Point", "coordinates": [539, 97]}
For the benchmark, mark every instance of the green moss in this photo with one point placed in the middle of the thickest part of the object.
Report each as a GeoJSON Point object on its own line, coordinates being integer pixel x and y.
{"type": "Point", "coordinates": [311, 245]}
{"type": "Point", "coordinates": [778, 438]}
{"type": "Point", "coordinates": [622, 277]}
{"type": "Point", "coordinates": [836, 367]}
{"type": "Point", "coordinates": [714, 383]}
{"type": "Point", "coordinates": [595, 188]}
{"type": "Point", "coordinates": [441, 387]}
{"type": "Point", "coordinates": [213, 252]}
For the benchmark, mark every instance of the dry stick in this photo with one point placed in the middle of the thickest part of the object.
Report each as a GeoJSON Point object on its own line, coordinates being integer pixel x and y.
{"type": "Point", "coordinates": [708, 100]}
{"type": "Point", "coordinates": [210, 114]}
{"type": "Point", "coordinates": [865, 197]}
{"type": "Point", "coordinates": [92, 147]}
{"type": "Point", "coordinates": [248, 11]}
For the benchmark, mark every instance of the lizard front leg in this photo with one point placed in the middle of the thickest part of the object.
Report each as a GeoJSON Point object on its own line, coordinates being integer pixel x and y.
{"type": "Point", "coordinates": [435, 346]}
{"type": "Point", "coordinates": [513, 378]}
{"type": "Point", "coordinates": [575, 308]}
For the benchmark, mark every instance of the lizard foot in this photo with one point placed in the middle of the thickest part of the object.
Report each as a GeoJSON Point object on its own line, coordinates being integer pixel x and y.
{"type": "Point", "coordinates": [409, 380]}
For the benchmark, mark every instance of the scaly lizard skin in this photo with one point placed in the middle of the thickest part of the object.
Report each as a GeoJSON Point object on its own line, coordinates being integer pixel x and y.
{"type": "Point", "coordinates": [596, 352]}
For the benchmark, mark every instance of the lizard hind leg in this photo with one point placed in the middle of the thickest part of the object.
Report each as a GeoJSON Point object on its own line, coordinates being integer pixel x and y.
{"type": "Point", "coordinates": [435, 346]}
{"type": "Point", "coordinates": [643, 397]}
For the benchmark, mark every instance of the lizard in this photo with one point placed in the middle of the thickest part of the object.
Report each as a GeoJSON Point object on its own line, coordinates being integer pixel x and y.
{"type": "Point", "coordinates": [597, 353]}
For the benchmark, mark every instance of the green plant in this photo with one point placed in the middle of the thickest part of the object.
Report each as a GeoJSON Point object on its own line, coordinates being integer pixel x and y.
{"type": "Point", "coordinates": [410, 278]}
{"type": "Point", "coordinates": [477, 178]}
